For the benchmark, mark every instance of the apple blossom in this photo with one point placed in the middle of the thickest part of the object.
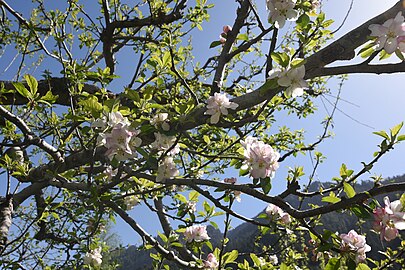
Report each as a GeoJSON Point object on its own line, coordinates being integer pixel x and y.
{"type": "Point", "coordinates": [260, 157]}
{"type": "Point", "coordinates": [163, 143]}
{"type": "Point", "coordinates": [217, 105]}
{"type": "Point", "coordinates": [93, 257]}
{"type": "Point", "coordinates": [130, 202]}
{"type": "Point", "coordinates": [117, 143]}
{"type": "Point", "coordinates": [388, 33]}
{"type": "Point", "coordinates": [225, 29]}
{"type": "Point", "coordinates": [389, 220]}
{"type": "Point", "coordinates": [280, 11]}
{"type": "Point", "coordinates": [161, 120]}
{"type": "Point", "coordinates": [355, 243]}
{"type": "Point", "coordinates": [292, 78]}
{"type": "Point", "coordinates": [110, 172]}
{"type": "Point", "coordinates": [166, 169]}
{"type": "Point", "coordinates": [277, 214]}
{"type": "Point", "coordinates": [197, 233]}
{"type": "Point", "coordinates": [273, 259]}
{"type": "Point", "coordinates": [211, 262]}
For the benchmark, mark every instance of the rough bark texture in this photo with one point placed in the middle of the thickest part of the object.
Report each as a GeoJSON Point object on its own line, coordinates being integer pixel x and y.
{"type": "Point", "coordinates": [6, 210]}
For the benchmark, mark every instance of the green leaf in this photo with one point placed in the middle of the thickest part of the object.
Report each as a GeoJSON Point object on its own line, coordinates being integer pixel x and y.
{"type": "Point", "coordinates": [349, 190]}
{"type": "Point", "coordinates": [265, 183]}
{"type": "Point", "coordinates": [49, 97]}
{"type": "Point", "coordinates": [395, 130]}
{"type": "Point", "coordinates": [333, 264]}
{"type": "Point", "coordinates": [166, 59]}
{"type": "Point", "coordinates": [242, 37]}
{"type": "Point", "coordinates": [22, 90]}
{"type": "Point", "coordinates": [32, 84]}
{"type": "Point", "coordinates": [362, 266]}
{"type": "Point", "coordinates": [401, 138]}
{"type": "Point", "coordinates": [303, 20]}
{"type": "Point", "coordinates": [331, 198]}
{"type": "Point", "coordinates": [162, 236]}
{"type": "Point", "coordinates": [255, 259]}
{"type": "Point", "coordinates": [366, 53]}
{"type": "Point", "coordinates": [231, 256]}
{"type": "Point", "coordinates": [382, 133]}
{"type": "Point", "coordinates": [215, 44]}
{"type": "Point", "coordinates": [360, 211]}
{"type": "Point", "coordinates": [402, 200]}
{"type": "Point", "coordinates": [281, 58]}
{"type": "Point", "coordinates": [298, 62]}
{"type": "Point", "coordinates": [92, 105]}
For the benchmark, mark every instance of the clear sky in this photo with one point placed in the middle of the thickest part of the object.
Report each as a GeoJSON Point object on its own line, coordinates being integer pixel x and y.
{"type": "Point", "coordinates": [375, 102]}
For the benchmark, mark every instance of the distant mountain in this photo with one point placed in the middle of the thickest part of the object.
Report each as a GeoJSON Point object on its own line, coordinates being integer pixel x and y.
{"type": "Point", "coordinates": [245, 237]}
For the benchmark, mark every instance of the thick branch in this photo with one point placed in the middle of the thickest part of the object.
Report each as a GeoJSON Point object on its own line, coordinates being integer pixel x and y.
{"type": "Point", "coordinates": [344, 47]}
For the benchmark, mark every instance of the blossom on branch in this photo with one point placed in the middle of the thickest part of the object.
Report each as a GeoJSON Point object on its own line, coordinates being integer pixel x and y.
{"type": "Point", "coordinates": [389, 34]}
{"type": "Point", "coordinates": [163, 143]}
{"type": "Point", "coordinates": [260, 157]}
{"type": "Point", "coordinates": [280, 11]}
{"type": "Point", "coordinates": [161, 120]}
{"type": "Point", "coordinates": [197, 233]}
{"type": "Point", "coordinates": [354, 242]}
{"type": "Point", "coordinates": [93, 257]}
{"type": "Point", "coordinates": [166, 169]}
{"type": "Point", "coordinates": [390, 219]}
{"type": "Point", "coordinates": [130, 202]}
{"type": "Point", "coordinates": [292, 78]}
{"type": "Point", "coordinates": [275, 213]}
{"type": "Point", "coordinates": [226, 29]}
{"type": "Point", "coordinates": [217, 105]}
{"type": "Point", "coordinates": [211, 262]}
{"type": "Point", "coordinates": [119, 137]}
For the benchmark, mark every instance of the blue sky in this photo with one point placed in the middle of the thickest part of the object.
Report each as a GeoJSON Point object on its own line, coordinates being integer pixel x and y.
{"type": "Point", "coordinates": [375, 102]}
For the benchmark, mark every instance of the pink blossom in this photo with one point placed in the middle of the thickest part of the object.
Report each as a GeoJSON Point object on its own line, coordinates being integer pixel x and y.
{"type": "Point", "coordinates": [227, 28]}
{"type": "Point", "coordinates": [280, 11]}
{"type": "Point", "coordinates": [211, 262]}
{"type": "Point", "coordinates": [217, 105]}
{"type": "Point", "coordinates": [354, 242]}
{"type": "Point", "coordinates": [389, 220]}
{"type": "Point", "coordinates": [117, 143]}
{"type": "Point", "coordinates": [260, 157]}
{"type": "Point", "coordinates": [197, 233]}
{"type": "Point", "coordinates": [388, 33]}
{"type": "Point", "coordinates": [277, 214]}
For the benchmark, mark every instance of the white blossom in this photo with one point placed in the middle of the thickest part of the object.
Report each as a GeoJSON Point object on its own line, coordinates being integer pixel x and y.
{"type": "Point", "coordinates": [217, 105]}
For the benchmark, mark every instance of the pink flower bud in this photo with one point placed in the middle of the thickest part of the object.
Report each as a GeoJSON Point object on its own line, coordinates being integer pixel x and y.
{"type": "Point", "coordinates": [227, 28]}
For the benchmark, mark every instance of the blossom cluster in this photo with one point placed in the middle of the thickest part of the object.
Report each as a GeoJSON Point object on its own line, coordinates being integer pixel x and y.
{"type": "Point", "coordinates": [353, 242]}
{"type": "Point", "coordinates": [93, 257]}
{"type": "Point", "coordinates": [280, 11]}
{"type": "Point", "coordinates": [160, 120]}
{"type": "Point", "coordinates": [166, 145]}
{"type": "Point", "coordinates": [277, 214]}
{"type": "Point", "coordinates": [389, 219]}
{"type": "Point", "coordinates": [197, 233]}
{"type": "Point", "coordinates": [211, 262]}
{"type": "Point", "coordinates": [390, 35]}
{"type": "Point", "coordinates": [260, 158]}
{"type": "Point", "coordinates": [217, 105]}
{"type": "Point", "coordinates": [131, 201]}
{"type": "Point", "coordinates": [118, 136]}
{"type": "Point", "coordinates": [292, 78]}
